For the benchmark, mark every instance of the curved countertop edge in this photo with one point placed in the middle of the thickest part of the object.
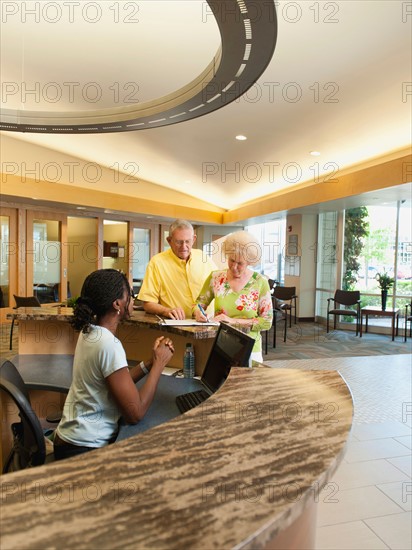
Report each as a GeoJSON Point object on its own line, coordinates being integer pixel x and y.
{"type": "Point", "coordinates": [266, 448]}
{"type": "Point", "coordinates": [138, 319]}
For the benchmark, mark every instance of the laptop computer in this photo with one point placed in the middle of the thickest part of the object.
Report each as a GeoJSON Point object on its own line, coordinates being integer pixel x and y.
{"type": "Point", "coordinates": [231, 348]}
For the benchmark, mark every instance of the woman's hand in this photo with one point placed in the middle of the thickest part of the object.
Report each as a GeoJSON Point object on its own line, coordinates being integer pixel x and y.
{"type": "Point", "coordinates": [163, 350]}
{"type": "Point", "coordinates": [223, 317]}
{"type": "Point", "coordinates": [200, 318]}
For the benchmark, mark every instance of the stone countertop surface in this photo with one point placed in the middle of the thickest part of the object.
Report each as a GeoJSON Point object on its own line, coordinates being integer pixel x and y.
{"type": "Point", "coordinates": [138, 319]}
{"type": "Point", "coordinates": [231, 473]}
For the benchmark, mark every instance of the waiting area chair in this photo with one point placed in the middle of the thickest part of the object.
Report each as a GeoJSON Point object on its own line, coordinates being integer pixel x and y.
{"type": "Point", "coordinates": [278, 317]}
{"type": "Point", "coordinates": [22, 301]}
{"type": "Point", "coordinates": [345, 298]}
{"type": "Point", "coordinates": [29, 443]}
{"type": "Point", "coordinates": [286, 298]}
{"type": "Point", "coordinates": [408, 319]}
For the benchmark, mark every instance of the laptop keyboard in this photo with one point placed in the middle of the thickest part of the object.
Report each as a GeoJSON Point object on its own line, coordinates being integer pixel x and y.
{"type": "Point", "coordinates": [188, 401]}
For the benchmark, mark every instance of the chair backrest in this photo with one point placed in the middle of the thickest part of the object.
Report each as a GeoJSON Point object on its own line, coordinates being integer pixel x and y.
{"type": "Point", "coordinates": [9, 372]}
{"type": "Point", "coordinates": [29, 447]}
{"type": "Point", "coordinates": [347, 297]}
{"type": "Point", "coordinates": [284, 292]}
{"type": "Point", "coordinates": [26, 301]}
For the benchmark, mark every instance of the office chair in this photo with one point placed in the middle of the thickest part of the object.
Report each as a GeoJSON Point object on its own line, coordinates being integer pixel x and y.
{"type": "Point", "coordinates": [22, 301]}
{"type": "Point", "coordinates": [29, 444]}
{"type": "Point", "coordinates": [286, 299]}
{"type": "Point", "coordinates": [344, 298]}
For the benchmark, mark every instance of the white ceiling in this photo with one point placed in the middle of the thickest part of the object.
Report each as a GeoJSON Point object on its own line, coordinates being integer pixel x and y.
{"type": "Point", "coordinates": [334, 85]}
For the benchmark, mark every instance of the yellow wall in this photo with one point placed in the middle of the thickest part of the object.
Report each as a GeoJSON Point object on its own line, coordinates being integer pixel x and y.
{"type": "Point", "coordinates": [83, 255]}
{"type": "Point", "coordinates": [143, 197]}
{"type": "Point", "coordinates": [383, 174]}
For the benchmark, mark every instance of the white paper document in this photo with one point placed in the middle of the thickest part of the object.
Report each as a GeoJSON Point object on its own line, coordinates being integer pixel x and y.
{"type": "Point", "coordinates": [187, 322]}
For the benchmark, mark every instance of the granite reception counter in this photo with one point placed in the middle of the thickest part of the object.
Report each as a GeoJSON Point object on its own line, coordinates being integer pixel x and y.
{"type": "Point", "coordinates": [47, 330]}
{"type": "Point", "coordinates": [244, 470]}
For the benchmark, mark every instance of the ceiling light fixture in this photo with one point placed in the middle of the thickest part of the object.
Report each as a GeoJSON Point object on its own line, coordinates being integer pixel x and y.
{"type": "Point", "coordinates": [248, 31]}
{"type": "Point", "coordinates": [314, 153]}
{"type": "Point", "coordinates": [241, 138]}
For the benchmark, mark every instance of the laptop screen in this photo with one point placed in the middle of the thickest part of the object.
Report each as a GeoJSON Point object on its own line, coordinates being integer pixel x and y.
{"type": "Point", "coordinates": [231, 348]}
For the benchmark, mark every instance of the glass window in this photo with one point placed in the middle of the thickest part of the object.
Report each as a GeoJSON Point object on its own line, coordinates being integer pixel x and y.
{"type": "Point", "coordinates": [326, 258]}
{"type": "Point", "coordinates": [271, 236]}
{"type": "Point", "coordinates": [115, 235]}
{"type": "Point", "coordinates": [46, 260]}
{"type": "Point", "coordinates": [140, 256]}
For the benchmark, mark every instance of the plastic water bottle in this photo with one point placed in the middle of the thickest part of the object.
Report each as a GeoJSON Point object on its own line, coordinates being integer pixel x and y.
{"type": "Point", "coordinates": [189, 361]}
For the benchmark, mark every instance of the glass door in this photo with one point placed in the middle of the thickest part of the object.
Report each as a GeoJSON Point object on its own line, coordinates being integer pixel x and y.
{"type": "Point", "coordinates": [143, 245]}
{"type": "Point", "coordinates": [8, 257]}
{"type": "Point", "coordinates": [47, 267]}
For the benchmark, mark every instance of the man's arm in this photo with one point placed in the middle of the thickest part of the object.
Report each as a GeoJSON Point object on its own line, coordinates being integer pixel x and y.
{"type": "Point", "coordinates": [163, 311]}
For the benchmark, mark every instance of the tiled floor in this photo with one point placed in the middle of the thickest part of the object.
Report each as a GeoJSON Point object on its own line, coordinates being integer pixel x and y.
{"type": "Point", "coordinates": [367, 503]}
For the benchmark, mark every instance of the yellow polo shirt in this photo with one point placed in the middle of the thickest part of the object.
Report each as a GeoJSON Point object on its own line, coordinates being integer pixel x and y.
{"type": "Point", "coordinates": [173, 282]}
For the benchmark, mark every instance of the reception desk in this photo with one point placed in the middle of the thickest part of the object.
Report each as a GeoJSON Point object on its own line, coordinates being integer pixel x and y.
{"type": "Point", "coordinates": [244, 470]}
{"type": "Point", "coordinates": [47, 330]}
{"type": "Point", "coordinates": [47, 343]}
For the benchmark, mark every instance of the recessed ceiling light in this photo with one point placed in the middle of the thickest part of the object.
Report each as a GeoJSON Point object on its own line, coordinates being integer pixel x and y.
{"type": "Point", "coordinates": [80, 208]}
{"type": "Point", "coordinates": [315, 153]}
{"type": "Point", "coordinates": [241, 138]}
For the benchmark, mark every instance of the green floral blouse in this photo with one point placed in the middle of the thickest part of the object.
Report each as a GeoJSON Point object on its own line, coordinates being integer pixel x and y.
{"type": "Point", "coordinates": [253, 301]}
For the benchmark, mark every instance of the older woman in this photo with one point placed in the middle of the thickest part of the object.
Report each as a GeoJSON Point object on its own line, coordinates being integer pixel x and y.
{"type": "Point", "coordinates": [242, 296]}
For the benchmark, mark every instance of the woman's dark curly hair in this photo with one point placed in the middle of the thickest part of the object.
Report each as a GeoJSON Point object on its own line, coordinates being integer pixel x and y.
{"type": "Point", "coordinates": [100, 289]}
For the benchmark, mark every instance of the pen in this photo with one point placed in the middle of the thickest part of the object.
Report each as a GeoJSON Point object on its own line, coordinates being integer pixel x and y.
{"type": "Point", "coordinates": [202, 311]}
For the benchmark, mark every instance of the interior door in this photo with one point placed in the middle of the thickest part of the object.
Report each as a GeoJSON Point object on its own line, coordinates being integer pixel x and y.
{"type": "Point", "coordinates": [143, 244]}
{"type": "Point", "coordinates": [8, 256]}
{"type": "Point", "coordinates": [46, 255]}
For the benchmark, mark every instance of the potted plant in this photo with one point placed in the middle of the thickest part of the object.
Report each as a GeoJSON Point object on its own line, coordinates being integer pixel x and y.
{"type": "Point", "coordinates": [385, 283]}
{"type": "Point", "coordinates": [71, 302]}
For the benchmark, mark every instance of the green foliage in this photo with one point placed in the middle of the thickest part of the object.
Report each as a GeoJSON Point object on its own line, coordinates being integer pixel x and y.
{"type": "Point", "coordinates": [356, 229]}
{"type": "Point", "coordinates": [70, 302]}
{"type": "Point", "coordinates": [385, 281]}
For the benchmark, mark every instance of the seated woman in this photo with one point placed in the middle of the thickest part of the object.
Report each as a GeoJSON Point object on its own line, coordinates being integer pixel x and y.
{"type": "Point", "coordinates": [242, 296]}
{"type": "Point", "coordinates": [103, 388]}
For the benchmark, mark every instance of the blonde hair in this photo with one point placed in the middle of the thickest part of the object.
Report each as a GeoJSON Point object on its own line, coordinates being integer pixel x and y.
{"type": "Point", "coordinates": [244, 245]}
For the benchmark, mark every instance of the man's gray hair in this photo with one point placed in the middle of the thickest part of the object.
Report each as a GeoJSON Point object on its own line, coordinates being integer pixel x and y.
{"type": "Point", "coordinates": [180, 224]}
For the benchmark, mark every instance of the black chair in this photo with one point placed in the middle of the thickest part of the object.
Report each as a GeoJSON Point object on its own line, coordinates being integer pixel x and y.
{"type": "Point", "coordinates": [408, 319]}
{"type": "Point", "coordinates": [286, 300]}
{"type": "Point", "coordinates": [344, 298]}
{"type": "Point", "coordinates": [29, 444]}
{"type": "Point", "coordinates": [22, 301]}
{"type": "Point", "coordinates": [278, 316]}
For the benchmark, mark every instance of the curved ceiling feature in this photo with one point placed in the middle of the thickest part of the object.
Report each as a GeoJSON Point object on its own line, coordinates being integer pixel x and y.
{"type": "Point", "coordinates": [248, 32]}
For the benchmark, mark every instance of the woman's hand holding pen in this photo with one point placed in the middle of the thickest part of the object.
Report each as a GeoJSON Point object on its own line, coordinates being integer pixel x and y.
{"type": "Point", "coordinates": [200, 314]}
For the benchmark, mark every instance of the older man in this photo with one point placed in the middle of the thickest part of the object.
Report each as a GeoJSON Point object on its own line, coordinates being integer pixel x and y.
{"type": "Point", "coordinates": [173, 278]}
